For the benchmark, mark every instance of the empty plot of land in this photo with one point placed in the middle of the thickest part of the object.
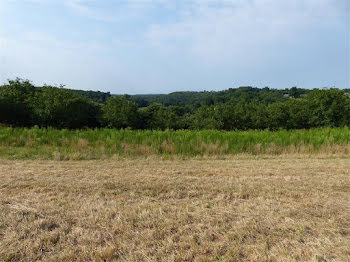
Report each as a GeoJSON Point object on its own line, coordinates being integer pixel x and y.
{"type": "Point", "coordinates": [238, 209]}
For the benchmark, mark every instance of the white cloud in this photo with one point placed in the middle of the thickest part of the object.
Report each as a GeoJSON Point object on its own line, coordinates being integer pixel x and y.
{"type": "Point", "coordinates": [236, 29]}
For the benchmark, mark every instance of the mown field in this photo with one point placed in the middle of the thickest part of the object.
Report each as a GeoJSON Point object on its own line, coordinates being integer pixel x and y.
{"type": "Point", "coordinates": [243, 208]}
{"type": "Point", "coordinates": [35, 143]}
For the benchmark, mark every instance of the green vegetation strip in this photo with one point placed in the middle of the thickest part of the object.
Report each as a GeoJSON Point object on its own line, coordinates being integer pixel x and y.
{"type": "Point", "coordinates": [37, 143]}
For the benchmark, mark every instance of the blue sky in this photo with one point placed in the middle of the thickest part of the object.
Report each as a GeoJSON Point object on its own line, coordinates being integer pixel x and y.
{"type": "Point", "coordinates": [161, 46]}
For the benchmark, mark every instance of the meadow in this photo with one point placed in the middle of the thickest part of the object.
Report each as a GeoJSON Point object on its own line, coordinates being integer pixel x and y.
{"type": "Point", "coordinates": [89, 144]}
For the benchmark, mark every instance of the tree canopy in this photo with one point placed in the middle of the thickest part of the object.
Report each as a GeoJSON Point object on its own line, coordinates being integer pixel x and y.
{"type": "Point", "coordinates": [243, 108]}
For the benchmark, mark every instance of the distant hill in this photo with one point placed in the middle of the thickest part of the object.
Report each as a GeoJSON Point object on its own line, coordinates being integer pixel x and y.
{"type": "Point", "coordinates": [233, 95]}
{"type": "Point", "coordinates": [97, 96]}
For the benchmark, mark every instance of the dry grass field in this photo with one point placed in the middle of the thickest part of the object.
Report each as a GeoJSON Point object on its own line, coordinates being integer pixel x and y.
{"type": "Point", "coordinates": [242, 208]}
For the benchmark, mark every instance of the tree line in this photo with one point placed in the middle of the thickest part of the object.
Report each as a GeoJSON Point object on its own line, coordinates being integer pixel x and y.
{"type": "Point", "coordinates": [24, 105]}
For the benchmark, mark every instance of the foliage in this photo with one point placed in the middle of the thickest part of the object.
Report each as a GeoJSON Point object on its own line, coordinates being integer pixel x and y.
{"type": "Point", "coordinates": [16, 103]}
{"type": "Point", "coordinates": [233, 95]}
{"type": "Point", "coordinates": [24, 105]}
{"type": "Point", "coordinates": [120, 112]}
{"type": "Point", "coordinates": [97, 96]}
{"type": "Point", "coordinates": [62, 108]}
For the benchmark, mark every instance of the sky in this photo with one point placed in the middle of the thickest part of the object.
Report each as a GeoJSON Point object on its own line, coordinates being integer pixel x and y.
{"type": "Point", "coordinates": [162, 46]}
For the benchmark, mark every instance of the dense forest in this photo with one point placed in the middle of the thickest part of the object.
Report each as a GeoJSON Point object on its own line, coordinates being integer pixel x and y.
{"type": "Point", "coordinates": [24, 105]}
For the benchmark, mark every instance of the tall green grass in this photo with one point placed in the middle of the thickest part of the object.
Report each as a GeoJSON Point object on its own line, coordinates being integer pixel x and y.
{"type": "Point", "coordinates": [36, 143]}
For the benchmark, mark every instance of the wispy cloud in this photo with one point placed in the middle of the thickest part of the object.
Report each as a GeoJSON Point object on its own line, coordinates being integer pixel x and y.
{"type": "Point", "coordinates": [176, 43]}
{"type": "Point", "coordinates": [45, 40]}
{"type": "Point", "coordinates": [117, 11]}
{"type": "Point", "coordinates": [236, 29]}
{"type": "Point", "coordinates": [81, 7]}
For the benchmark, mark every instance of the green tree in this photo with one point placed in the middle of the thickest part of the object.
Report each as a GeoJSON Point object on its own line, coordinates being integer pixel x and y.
{"type": "Point", "coordinates": [157, 116]}
{"type": "Point", "coordinates": [328, 108]}
{"type": "Point", "coordinates": [207, 117]}
{"type": "Point", "coordinates": [16, 102]}
{"type": "Point", "coordinates": [298, 114]}
{"type": "Point", "coordinates": [278, 115]}
{"type": "Point", "coordinates": [153, 117]}
{"type": "Point", "coordinates": [62, 108]}
{"type": "Point", "coordinates": [120, 112]}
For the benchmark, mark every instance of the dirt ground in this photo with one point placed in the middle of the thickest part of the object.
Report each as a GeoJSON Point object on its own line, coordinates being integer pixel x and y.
{"type": "Point", "coordinates": [283, 208]}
